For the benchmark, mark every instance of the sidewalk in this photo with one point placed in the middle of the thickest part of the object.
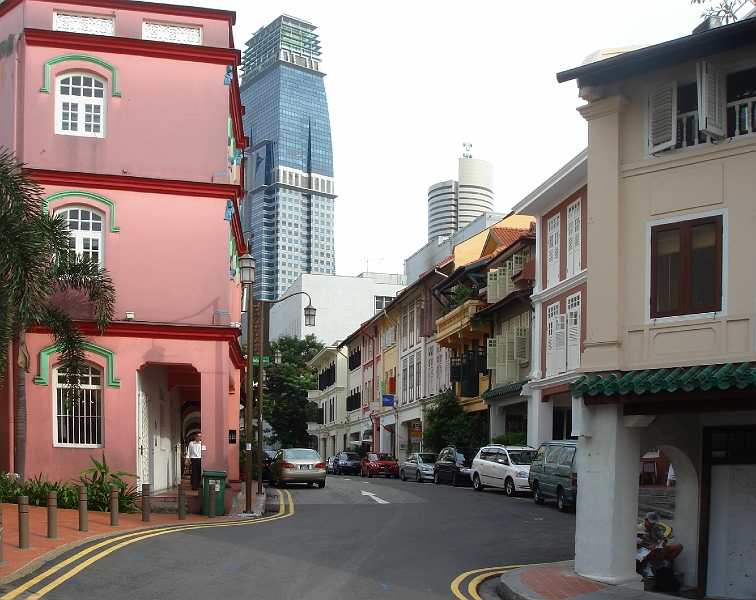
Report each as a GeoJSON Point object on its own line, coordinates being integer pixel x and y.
{"type": "Point", "coordinates": [42, 549]}
{"type": "Point", "coordinates": [560, 582]}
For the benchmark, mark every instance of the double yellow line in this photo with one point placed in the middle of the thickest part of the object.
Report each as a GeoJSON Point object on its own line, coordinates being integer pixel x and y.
{"type": "Point", "coordinates": [478, 577]}
{"type": "Point", "coordinates": [100, 550]}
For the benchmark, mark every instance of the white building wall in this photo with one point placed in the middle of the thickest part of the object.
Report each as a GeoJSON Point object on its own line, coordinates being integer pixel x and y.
{"type": "Point", "coordinates": [475, 194]}
{"type": "Point", "coordinates": [342, 304]}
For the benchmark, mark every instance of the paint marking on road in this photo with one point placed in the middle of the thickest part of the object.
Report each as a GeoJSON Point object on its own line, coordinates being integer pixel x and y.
{"type": "Point", "coordinates": [478, 576]}
{"type": "Point", "coordinates": [374, 497]}
{"type": "Point", "coordinates": [130, 538]}
{"type": "Point", "coordinates": [235, 568]}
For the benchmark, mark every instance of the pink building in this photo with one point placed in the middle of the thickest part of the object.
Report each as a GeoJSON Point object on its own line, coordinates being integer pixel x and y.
{"type": "Point", "coordinates": [129, 114]}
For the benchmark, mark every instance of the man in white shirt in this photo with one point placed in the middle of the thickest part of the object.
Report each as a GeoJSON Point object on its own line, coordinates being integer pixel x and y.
{"type": "Point", "coordinates": [194, 456]}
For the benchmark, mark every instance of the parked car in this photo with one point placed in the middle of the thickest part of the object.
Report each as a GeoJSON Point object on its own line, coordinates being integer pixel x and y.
{"type": "Point", "coordinates": [379, 463]}
{"type": "Point", "coordinates": [553, 473]}
{"type": "Point", "coordinates": [418, 466]}
{"type": "Point", "coordinates": [297, 465]}
{"type": "Point", "coordinates": [266, 460]}
{"type": "Point", "coordinates": [505, 467]}
{"type": "Point", "coordinates": [453, 464]}
{"type": "Point", "coordinates": [331, 464]}
{"type": "Point", "coordinates": [348, 462]}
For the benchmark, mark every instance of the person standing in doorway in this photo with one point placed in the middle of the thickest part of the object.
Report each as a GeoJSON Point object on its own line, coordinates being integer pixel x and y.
{"type": "Point", "coordinates": [194, 456]}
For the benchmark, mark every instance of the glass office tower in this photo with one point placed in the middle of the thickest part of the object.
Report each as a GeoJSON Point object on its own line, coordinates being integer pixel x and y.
{"type": "Point", "coordinates": [289, 207]}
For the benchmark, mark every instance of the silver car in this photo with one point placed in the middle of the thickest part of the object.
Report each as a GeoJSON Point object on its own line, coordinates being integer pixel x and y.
{"type": "Point", "coordinates": [297, 465]}
{"type": "Point", "coordinates": [504, 467]}
{"type": "Point", "coordinates": [418, 466]}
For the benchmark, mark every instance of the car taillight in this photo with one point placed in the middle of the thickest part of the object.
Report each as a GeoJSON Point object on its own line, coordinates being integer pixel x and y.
{"type": "Point", "coordinates": [320, 465]}
{"type": "Point", "coordinates": [287, 465]}
{"type": "Point", "coordinates": [574, 480]}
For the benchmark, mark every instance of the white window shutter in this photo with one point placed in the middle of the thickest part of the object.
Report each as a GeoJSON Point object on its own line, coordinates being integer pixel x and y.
{"type": "Point", "coordinates": [513, 366]}
{"type": "Point", "coordinates": [573, 238]}
{"type": "Point", "coordinates": [711, 99]}
{"type": "Point", "coordinates": [573, 339]}
{"type": "Point", "coordinates": [502, 281]}
{"type": "Point", "coordinates": [661, 117]}
{"type": "Point", "coordinates": [522, 344]}
{"type": "Point", "coordinates": [501, 357]}
{"type": "Point", "coordinates": [560, 345]}
{"type": "Point", "coordinates": [491, 354]}
{"type": "Point", "coordinates": [551, 325]}
{"type": "Point", "coordinates": [552, 263]}
{"type": "Point", "coordinates": [493, 286]}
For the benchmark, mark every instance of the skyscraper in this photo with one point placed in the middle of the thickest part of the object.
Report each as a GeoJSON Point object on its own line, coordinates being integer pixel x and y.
{"type": "Point", "coordinates": [289, 207]}
{"type": "Point", "coordinates": [452, 205]}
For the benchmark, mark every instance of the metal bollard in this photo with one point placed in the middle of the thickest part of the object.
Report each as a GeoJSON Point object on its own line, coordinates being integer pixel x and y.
{"type": "Point", "coordinates": [182, 502]}
{"type": "Point", "coordinates": [146, 502]}
{"type": "Point", "coordinates": [23, 522]}
{"type": "Point", "coordinates": [113, 505]}
{"type": "Point", "coordinates": [52, 515]}
{"type": "Point", "coordinates": [83, 517]}
{"type": "Point", "coordinates": [211, 502]}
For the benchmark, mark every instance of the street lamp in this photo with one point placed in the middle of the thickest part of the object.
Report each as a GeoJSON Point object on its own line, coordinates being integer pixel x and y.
{"type": "Point", "coordinates": [309, 312]}
{"type": "Point", "coordinates": [247, 275]}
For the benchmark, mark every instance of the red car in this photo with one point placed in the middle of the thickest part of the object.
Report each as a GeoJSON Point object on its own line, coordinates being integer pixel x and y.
{"type": "Point", "coordinates": [379, 463]}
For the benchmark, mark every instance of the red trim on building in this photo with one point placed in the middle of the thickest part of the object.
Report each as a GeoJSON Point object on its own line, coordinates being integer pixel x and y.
{"type": "Point", "coordinates": [169, 331]}
{"type": "Point", "coordinates": [132, 47]}
{"type": "Point", "coordinates": [236, 354]}
{"type": "Point", "coordinates": [165, 9]}
{"type": "Point", "coordinates": [237, 110]}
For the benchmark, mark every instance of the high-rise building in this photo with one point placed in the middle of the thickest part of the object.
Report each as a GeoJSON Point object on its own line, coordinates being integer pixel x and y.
{"type": "Point", "coordinates": [289, 207]}
{"type": "Point", "coordinates": [452, 205]}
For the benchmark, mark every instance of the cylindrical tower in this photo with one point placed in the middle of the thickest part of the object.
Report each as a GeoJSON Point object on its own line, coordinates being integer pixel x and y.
{"type": "Point", "coordinates": [475, 194]}
{"type": "Point", "coordinates": [442, 209]}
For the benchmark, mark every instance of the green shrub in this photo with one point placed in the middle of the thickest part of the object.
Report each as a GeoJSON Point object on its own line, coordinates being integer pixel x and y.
{"type": "Point", "coordinates": [97, 480]}
{"type": "Point", "coordinates": [511, 438]}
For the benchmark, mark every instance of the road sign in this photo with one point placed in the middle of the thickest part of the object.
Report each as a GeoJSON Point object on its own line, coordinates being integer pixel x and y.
{"type": "Point", "coordinates": [256, 361]}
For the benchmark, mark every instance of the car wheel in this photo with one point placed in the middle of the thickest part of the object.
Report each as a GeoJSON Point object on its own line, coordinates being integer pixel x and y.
{"type": "Point", "coordinates": [321, 484]}
{"type": "Point", "coordinates": [402, 476]}
{"type": "Point", "coordinates": [477, 485]}
{"type": "Point", "coordinates": [369, 474]}
{"type": "Point", "coordinates": [362, 473]}
{"type": "Point", "coordinates": [509, 487]}
{"type": "Point", "coordinates": [436, 479]}
{"type": "Point", "coordinates": [562, 501]}
{"type": "Point", "coordinates": [455, 483]}
{"type": "Point", "coordinates": [537, 494]}
{"type": "Point", "coordinates": [418, 477]}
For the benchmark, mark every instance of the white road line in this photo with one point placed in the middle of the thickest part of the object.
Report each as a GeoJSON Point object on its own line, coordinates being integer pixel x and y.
{"type": "Point", "coordinates": [374, 497]}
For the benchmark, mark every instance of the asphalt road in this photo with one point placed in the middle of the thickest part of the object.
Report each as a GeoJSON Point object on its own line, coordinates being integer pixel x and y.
{"type": "Point", "coordinates": [357, 538]}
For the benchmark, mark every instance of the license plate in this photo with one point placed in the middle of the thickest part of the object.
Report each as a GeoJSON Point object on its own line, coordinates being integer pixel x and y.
{"type": "Point", "coordinates": [304, 466]}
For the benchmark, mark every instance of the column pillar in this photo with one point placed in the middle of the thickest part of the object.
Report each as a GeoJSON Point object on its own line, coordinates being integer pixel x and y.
{"type": "Point", "coordinates": [540, 418]}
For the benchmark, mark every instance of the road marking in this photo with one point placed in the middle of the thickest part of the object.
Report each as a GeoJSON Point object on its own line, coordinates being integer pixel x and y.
{"type": "Point", "coordinates": [481, 575]}
{"type": "Point", "coordinates": [130, 538]}
{"type": "Point", "coordinates": [374, 497]}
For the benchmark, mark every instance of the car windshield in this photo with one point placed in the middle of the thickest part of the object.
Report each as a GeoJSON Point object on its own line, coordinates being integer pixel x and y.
{"type": "Point", "coordinates": [350, 456]}
{"type": "Point", "coordinates": [381, 456]}
{"type": "Point", "coordinates": [522, 457]}
{"type": "Point", "coordinates": [427, 457]}
{"type": "Point", "coordinates": [466, 453]}
{"type": "Point", "coordinates": [303, 454]}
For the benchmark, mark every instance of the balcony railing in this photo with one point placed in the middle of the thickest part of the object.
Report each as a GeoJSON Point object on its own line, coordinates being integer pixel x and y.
{"type": "Point", "coordinates": [459, 319]}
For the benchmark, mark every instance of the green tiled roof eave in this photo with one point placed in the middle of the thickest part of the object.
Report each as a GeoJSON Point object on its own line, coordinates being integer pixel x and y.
{"type": "Point", "coordinates": [687, 379]}
{"type": "Point", "coordinates": [507, 389]}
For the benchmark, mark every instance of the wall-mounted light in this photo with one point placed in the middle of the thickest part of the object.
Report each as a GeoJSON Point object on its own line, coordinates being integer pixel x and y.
{"type": "Point", "coordinates": [129, 316]}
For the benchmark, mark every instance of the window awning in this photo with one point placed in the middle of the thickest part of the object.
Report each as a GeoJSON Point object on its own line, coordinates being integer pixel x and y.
{"type": "Point", "coordinates": [506, 390]}
{"type": "Point", "coordinates": [687, 379]}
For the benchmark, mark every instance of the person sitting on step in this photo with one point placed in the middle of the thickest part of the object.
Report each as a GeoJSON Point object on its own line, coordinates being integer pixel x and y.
{"type": "Point", "coordinates": [654, 547]}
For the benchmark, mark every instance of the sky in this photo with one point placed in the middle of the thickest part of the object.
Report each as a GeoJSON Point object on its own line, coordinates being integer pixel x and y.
{"type": "Point", "coordinates": [409, 81]}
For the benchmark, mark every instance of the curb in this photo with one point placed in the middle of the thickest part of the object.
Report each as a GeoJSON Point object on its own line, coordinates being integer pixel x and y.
{"type": "Point", "coordinates": [510, 588]}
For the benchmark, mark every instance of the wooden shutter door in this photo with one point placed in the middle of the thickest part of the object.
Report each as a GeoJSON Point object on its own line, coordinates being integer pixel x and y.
{"type": "Point", "coordinates": [661, 117]}
{"type": "Point", "coordinates": [711, 99]}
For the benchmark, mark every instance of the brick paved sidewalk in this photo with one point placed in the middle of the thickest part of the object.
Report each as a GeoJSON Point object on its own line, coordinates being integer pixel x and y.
{"type": "Point", "coordinates": [20, 562]}
{"type": "Point", "coordinates": [560, 582]}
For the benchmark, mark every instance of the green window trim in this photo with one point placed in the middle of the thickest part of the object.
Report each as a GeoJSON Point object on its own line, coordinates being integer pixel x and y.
{"type": "Point", "coordinates": [45, 89]}
{"type": "Point", "coordinates": [44, 364]}
{"type": "Point", "coordinates": [89, 196]}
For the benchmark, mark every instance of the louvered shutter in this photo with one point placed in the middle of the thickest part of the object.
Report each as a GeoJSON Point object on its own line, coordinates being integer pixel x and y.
{"type": "Point", "coordinates": [552, 263]}
{"type": "Point", "coordinates": [573, 339]}
{"type": "Point", "coordinates": [711, 99]}
{"type": "Point", "coordinates": [573, 238]}
{"type": "Point", "coordinates": [551, 324]}
{"type": "Point", "coordinates": [493, 286]}
{"type": "Point", "coordinates": [501, 282]}
{"type": "Point", "coordinates": [501, 358]}
{"type": "Point", "coordinates": [522, 344]}
{"type": "Point", "coordinates": [491, 354]}
{"type": "Point", "coordinates": [512, 365]}
{"type": "Point", "coordinates": [560, 345]}
{"type": "Point", "coordinates": [661, 107]}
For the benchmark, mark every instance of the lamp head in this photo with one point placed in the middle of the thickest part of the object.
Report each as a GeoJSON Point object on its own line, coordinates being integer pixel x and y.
{"type": "Point", "coordinates": [309, 313]}
{"type": "Point", "coordinates": [247, 269]}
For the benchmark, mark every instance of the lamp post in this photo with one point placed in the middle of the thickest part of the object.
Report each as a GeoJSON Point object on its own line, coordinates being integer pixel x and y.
{"type": "Point", "coordinates": [247, 275]}
{"type": "Point", "coordinates": [309, 313]}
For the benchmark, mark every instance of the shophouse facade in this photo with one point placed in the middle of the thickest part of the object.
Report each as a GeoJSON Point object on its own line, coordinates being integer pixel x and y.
{"type": "Point", "coordinates": [89, 93]}
{"type": "Point", "coordinates": [670, 315]}
{"type": "Point", "coordinates": [559, 206]}
{"type": "Point", "coordinates": [330, 398]}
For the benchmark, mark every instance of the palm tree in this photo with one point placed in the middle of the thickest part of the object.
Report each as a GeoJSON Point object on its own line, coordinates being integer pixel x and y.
{"type": "Point", "coordinates": [36, 263]}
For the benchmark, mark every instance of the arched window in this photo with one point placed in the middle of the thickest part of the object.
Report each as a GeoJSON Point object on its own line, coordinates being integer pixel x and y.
{"type": "Point", "coordinates": [80, 105]}
{"type": "Point", "coordinates": [85, 226]}
{"type": "Point", "coordinates": [79, 422]}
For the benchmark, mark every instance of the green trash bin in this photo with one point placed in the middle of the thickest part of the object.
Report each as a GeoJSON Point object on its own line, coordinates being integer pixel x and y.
{"type": "Point", "coordinates": [213, 482]}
